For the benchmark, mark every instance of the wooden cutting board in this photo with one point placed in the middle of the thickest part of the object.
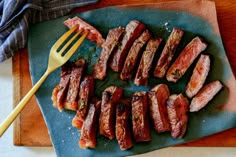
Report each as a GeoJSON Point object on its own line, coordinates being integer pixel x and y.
{"type": "Point", "coordinates": [30, 129]}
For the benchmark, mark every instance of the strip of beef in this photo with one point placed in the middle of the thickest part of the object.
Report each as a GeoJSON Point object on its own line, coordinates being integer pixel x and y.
{"type": "Point", "coordinates": [177, 107]}
{"type": "Point", "coordinates": [132, 31]}
{"type": "Point", "coordinates": [158, 96]}
{"type": "Point", "coordinates": [86, 91]}
{"type": "Point", "coordinates": [54, 95]}
{"type": "Point", "coordinates": [145, 64]}
{"type": "Point", "coordinates": [123, 130]}
{"type": "Point", "coordinates": [168, 52]}
{"type": "Point", "coordinates": [63, 85]}
{"type": "Point", "coordinates": [140, 118]}
{"type": "Point", "coordinates": [185, 59]}
{"type": "Point", "coordinates": [205, 95]}
{"type": "Point", "coordinates": [112, 40]}
{"type": "Point", "coordinates": [89, 129]}
{"type": "Point", "coordinates": [110, 97]}
{"type": "Point", "coordinates": [73, 89]}
{"type": "Point", "coordinates": [199, 76]}
{"type": "Point", "coordinates": [94, 34]}
{"type": "Point", "coordinates": [134, 52]}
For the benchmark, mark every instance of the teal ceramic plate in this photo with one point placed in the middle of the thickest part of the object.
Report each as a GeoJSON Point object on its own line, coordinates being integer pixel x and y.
{"type": "Point", "coordinates": [65, 138]}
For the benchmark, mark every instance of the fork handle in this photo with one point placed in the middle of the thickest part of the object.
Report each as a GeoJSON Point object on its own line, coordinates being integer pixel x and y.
{"type": "Point", "coordinates": [14, 113]}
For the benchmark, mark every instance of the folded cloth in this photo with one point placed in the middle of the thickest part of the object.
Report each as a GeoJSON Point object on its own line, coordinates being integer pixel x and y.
{"type": "Point", "coordinates": [17, 15]}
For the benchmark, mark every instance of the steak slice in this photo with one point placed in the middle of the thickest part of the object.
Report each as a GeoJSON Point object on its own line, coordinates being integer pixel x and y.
{"type": "Point", "coordinates": [110, 97]}
{"type": "Point", "coordinates": [94, 34]}
{"type": "Point", "coordinates": [177, 107]}
{"type": "Point", "coordinates": [205, 95]}
{"type": "Point", "coordinates": [132, 31]}
{"type": "Point", "coordinates": [112, 40]}
{"type": "Point", "coordinates": [168, 52]}
{"type": "Point", "coordinates": [73, 89]}
{"type": "Point", "coordinates": [158, 96]}
{"type": "Point", "coordinates": [185, 59]}
{"type": "Point", "coordinates": [134, 53]}
{"type": "Point", "coordinates": [89, 129]}
{"type": "Point", "coordinates": [54, 95]}
{"type": "Point", "coordinates": [63, 85]}
{"type": "Point", "coordinates": [199, 76]}
{"type": "Point", "coordinates": [140, 120]}
{"type": "Point", "coordinates": [123, 130]}
{"type": "Point", "coordinates": [145, 64]}
{"type": "Point", "coordinates": [85, 93]}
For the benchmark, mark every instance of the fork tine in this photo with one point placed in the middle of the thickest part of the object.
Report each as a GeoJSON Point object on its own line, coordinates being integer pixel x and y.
{"type": "Point", "coordinates": [69, 42]}
{"type": "Point", "coordinates": [64, 37]}
{"type": "Point", "coordinates": [75, 46]}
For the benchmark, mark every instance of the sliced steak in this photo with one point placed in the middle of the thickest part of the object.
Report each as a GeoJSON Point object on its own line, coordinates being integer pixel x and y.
{"type": "Point", "coordinates": [168, 52]}
{"type": "Point", "coordinates": [73, 90]}
{"type": "Point", "coordinates": [158, 96]}
{"type": "Point", "coordinates": [134, 53]}
{"type": "Point", "coordinates": [86, 91]}
{"type": "Point", "coordinates": [132, 32]}
{"type": "Point", "coordinates": [94, 34]}
{"type": "Point", "coordinates": [145, 64]}
{"type": "Point", "coordinates": [123, 123]}
{"type": "Point", "coordinates": [110, 97]}
{"type": "Point", "coordinates": [205, 95]}
{"type": "Point", "coordinates": [199, 76]}
{"type": "Point", "coordinates": [54, 95]}
{"type": "Point", "coordinates": [177, 107]}
{"type": "Point", "coordinates": [185, 59]}
{"type": "Point", "coordinates": [140, 118]}
{"type": "Point", "coordinates": [112, 40]}
{"type": "Point", "coordinates": [89, 129]}
{"type": "Point", "coordinates": [63, 85]}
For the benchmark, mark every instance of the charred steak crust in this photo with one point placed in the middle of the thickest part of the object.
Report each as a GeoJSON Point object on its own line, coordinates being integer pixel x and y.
{"type": "Point", "coordinates": [158, 96]}
{"type": "Point", "coordinates": [85, 93]}
{"type": "Point", "coordinates": [168, 52]}
{"type": "Point", "coordinates": [145, 64]}
{"type": "Point", "coordinates": [134, 53]}
{"type": "Point", "coordinates": [112, 41]}
{"type": "Point", "coordinates": [140, 118]}
{"type": "Point", "coordinates": [110, 97]}
{"type": "Point", "coordinates": [132, 31]}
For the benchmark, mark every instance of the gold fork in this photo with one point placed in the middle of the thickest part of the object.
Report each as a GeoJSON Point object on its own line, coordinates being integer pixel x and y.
{"type": "Point", "coordinates": [56, 59]}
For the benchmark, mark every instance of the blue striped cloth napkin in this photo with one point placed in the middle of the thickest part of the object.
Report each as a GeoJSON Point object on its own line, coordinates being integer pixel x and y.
{"type": "Point", "coordinates": [17, 15]}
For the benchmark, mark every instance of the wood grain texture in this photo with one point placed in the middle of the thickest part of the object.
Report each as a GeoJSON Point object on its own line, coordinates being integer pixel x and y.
{"type": "Point", "coordinates": [30, 129]}
{"type": "Point", "coordinates": [16, 96]}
